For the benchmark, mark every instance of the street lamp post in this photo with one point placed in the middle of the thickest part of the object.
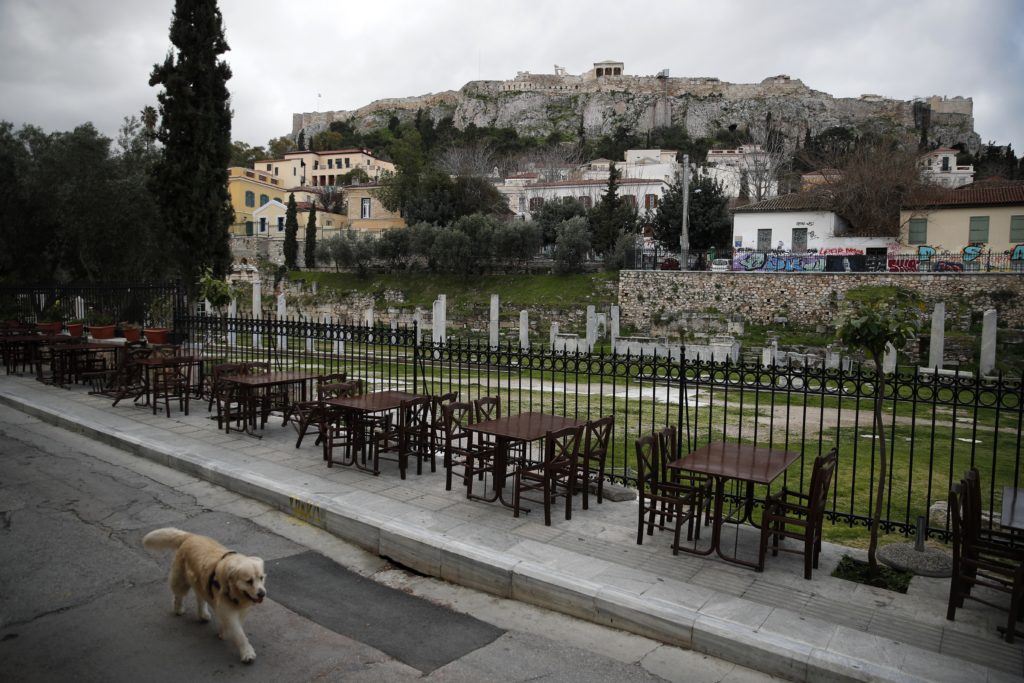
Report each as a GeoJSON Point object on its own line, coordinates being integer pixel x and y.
{"type": "Point", "coordinates": [684, 233]}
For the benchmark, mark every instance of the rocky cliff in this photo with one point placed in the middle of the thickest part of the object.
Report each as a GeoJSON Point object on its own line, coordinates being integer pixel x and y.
{"type": "Point", "coordinates": [594, 105]}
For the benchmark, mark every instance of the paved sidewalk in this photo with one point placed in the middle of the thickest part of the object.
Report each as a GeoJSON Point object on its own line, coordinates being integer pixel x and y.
{"type": "Point", "coordinates": [589, 567]}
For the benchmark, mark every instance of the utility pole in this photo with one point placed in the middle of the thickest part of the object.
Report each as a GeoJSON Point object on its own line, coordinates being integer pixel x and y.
{"type": "Point", "coordinates": [684, 233]}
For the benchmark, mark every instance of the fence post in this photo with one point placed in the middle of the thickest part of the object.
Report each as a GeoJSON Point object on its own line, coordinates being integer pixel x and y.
{"type": "Point", "coordinates": [415, 355]}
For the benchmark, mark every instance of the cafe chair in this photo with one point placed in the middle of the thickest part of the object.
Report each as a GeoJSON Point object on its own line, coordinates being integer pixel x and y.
{"type": "Point", "coordinates": [228, 398]}
{"type": "Point", "coordinates": [172, 382]}
{"type": "Point", "coordinates": [979, 561]}
{"type": "Point", "coordinates": [311, 414]}
{"type": "Point", "coordinates": [701, 486]}
{"type": "Point", "coordinates": [554, 476]}
{"type": "Point", "coordinates": [592, 458]}
{"type": "Point", "coordinates": [797, 515]}
{"type": "Point", "coordinates": [659, 502]}
{"type": "Point", "coordinates": [340, 429]}
{"type": "Point", "coordinates": [437, 421]}
{"type": "Point", "coordinates": [411, 436]}
{"type": "Point", "coordinates": [128, 379]}
{"type": "Point", "coordinates": [460, 446]}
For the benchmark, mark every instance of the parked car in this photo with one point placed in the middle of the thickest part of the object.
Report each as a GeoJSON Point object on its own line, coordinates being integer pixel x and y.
{"type": "Point", "coordinates": [670, 264]}
{"type": "Point", "coordinates": [721, 265]}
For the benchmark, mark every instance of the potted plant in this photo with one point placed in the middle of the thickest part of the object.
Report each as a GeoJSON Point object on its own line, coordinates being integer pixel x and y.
{"type": "Point", "coordinates": [161, 312]}
{"type": "Point", "coordinates": [101, 325]}
{"type": "Point", "coordinates": [76, 328]}
{"type": "Point", "coordinates": [49, 327]}
{"type": "Point", "coordinates": [132, 332]}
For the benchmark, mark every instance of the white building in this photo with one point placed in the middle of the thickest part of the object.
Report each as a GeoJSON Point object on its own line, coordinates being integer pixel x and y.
{"type": "Point", "coordinates": [747, 165]}
{"type": "Point", "coordinates": [939, 167]}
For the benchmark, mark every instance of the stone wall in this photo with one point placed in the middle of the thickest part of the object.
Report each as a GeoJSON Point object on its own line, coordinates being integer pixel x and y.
{"type": "Point", "coordinates": [806, 298]}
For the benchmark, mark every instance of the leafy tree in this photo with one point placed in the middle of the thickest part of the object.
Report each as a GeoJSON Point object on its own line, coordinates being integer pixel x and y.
{"type": "Point", "coordinates": [195, 129]}
{"type": "Point", "coordinates": [310, 254]}
{"type": "Point", "coordinates": [517, 242]}
{"type": "Point", "coordinates": [572, 246]}
{"type": "Point", "coordinates": [612, 216]}
{"type": "Point", "coordinates": [245, 156]}
{"type": "Point", "coordinates": [872, 326]}
{"type": "Point", "coordinates": [335, 249]}
{"type": "Point", "coordinates": [300, 143]}
{"type": "Point", "coordinates": [473, 194]}
{"type": "Point", "coordinates": [709, 217]}
{"type": "Point", "coordinates": [291, 234]}
{"type": "Point", "coordinates": [452, 251]}
{"type": "Point", "coordinates": [553, 214]}
{"type": "Point", "coordinates": [278, 147]}
{"type": "Point", "coordinates": [393, 247]}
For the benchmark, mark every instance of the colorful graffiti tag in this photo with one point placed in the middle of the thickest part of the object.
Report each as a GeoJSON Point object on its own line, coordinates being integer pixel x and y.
{"type": "Point", "coordinates": [777, 263]}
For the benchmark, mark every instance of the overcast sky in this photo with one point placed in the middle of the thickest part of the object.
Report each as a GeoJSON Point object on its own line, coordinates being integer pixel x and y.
{"type": "Point", "coordinates": [65, 62]}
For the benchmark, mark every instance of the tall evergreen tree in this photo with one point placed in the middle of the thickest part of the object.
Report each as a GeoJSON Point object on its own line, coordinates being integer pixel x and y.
{"type": "Point", "coordinates": [189, 179]}
{"type": "Point", "coordinates": [311, 237]}
{"type": "Point", "coordinates": [612, 216]}
{"type": "Point", "coordinates": [291, 234]}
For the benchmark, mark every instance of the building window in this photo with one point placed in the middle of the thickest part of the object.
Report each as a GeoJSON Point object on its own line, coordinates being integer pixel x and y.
{"type": "Point", "coordinates": [917, 231]}
{"type": "Point", "coordinates": [248, 228]}
{"type": "Point", "coordinates": [270, 166]}
{"type": "Point", "coordinates": [250, 199]}
{"type": "Point", "coordinates": [650, 201]}
{"type": "Point", "coordinates": [799, 240]}
{"type": "Point", "coordinates": [346, 162]}
{"type": "Point", "coordinates": [536, 203]}
{"type": "Point", "coordinates": [978, 230]}
{"type": "Point", "coordinates": [522, 204]}
{"type": "Point", "coordinates": [280, 223]}
{"type": "Point", "coordinates": [764, 239]}
{"type": "Point", "coordinates": [264, 199]}
{"type": "Point", "coordinates": [364, 207]}
{"type": "Point", "coordinates": [263, 224]}
{"type": "Point", "coordinates": [587, 202]}
{"type": "Point", "coordinates": [316, 164]}
{"type": "Point", "coordinates": [1017, 229]}
{"type": "Point", "coordinates": [629, 200]}
{"type": "Point", "coordinates": [295, 171]}
{"type": "Point", "coordinates": [945, 163]}
{"type": "Point", "coordinates": [330, 163]}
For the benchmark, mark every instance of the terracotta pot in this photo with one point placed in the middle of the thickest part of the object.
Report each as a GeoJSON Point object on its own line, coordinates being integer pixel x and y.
{"type": "Point", "coordinates": [156, 335]}
{"type": "Point", "coordinates": [102, 331]}
{"type": "Point", "coordinates": [132, 334]}
{"type": "Point", "coordinates": [50, 327]}
{"type": "Point", "coordinates": [76, 329]}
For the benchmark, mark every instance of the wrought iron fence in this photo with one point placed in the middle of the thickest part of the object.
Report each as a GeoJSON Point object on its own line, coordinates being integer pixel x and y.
{"type": "Point", "coordinates": [937, 424]}
{"type": "Point", "coordinates": [146, 304]}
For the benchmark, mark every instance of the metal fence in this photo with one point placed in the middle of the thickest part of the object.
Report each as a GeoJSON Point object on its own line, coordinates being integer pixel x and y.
{"type": "Point", "coordinates": [937, 424]}
{"type": "Point", "coordinates": [151, 305]}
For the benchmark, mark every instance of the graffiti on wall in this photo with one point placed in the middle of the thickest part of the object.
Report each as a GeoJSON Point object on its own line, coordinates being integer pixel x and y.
{"type": "Point", "coordinates": [972, 257]}
{"type": "Point", "coordinates": [776, 263]}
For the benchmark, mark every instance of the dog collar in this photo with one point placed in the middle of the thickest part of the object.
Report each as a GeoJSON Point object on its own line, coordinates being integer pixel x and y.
{"type": "Point", "coordinates": [213, 583]}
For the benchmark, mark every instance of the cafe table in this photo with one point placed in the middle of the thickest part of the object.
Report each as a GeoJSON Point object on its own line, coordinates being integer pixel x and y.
{"type": "Point", "coordinates": [358, 407]}
{"type": "Point", "coordinates": [250, 385]}
{"type": "Point", "coordinates": [521, 428]}
{"type": "Point", "coordinates": [725, 461]}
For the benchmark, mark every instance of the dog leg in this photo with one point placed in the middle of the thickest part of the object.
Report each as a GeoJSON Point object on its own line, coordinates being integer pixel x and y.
{"type": "Point", "coordinates": [203, 609]}
{"type": "Point", "coordinates": [179, 588]}
{"type": "Point", "coordinates": [231, 629]}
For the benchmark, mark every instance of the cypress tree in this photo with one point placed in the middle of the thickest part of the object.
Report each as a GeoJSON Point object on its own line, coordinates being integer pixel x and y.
{"type": "Point", "coordinates": [291, 234]}
{"type": "Point", "coordinates": [190, 179]}
{"type": "Point", "coordinates": [311, 237]}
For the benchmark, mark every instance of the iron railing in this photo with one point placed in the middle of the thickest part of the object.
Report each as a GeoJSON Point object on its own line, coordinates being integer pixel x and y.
{"type": "Point", "coordinates": [938, 424]}
{"type": "Point", "coordinates": [153, 305]}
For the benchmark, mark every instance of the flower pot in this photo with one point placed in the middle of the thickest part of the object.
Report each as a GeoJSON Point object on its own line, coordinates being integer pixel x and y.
{"type": "Point", "coordinates": [49, 327]}
{"type": "Point", "coordinates": [156, 335]}
{"type": "Point", "coordinates": [102, 331]}
{"type": "Point", "coordinates": [76, 329]}
{"type": "Point", "coordinates": [132, 334]}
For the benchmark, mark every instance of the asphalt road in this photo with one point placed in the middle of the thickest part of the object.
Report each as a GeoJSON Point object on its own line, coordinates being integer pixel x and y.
{"type": "Point", "coordinates": [81, 600]}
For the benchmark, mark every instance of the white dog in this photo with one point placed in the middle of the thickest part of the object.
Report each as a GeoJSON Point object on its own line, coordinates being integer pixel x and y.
{"type": "Point", "coordinates": [223, 579]}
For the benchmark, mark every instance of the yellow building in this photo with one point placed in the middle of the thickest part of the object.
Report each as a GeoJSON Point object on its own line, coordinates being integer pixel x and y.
{"type": "Point", "coordinates": [249, 190]}
{"type": "Point", "coordinates": [989, 216]}
{"type": "Point", "coordinates": [366, 213]}
{"type": "Point", "coordinates": [323, 169]}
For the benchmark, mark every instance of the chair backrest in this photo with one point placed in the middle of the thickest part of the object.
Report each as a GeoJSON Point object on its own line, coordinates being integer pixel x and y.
{"type": "Point", "coordinates": [437, 403]}
{"type": "Point", "coordinates": [956, 521]}
{"type": "Point", "coordinates": [561, 447]}
{"type": "Point", "coordinates": [821, 479]}
{"type": "Point", "coordinates": [487, 408]}
{"type": "Point", "coordinates": [599, 435]}
{"type": "Point", "coordinates": [667, 451]}
{"type": "Point", "coordinates": [256, 367]}
{"type": "Point", "coordinates": [414, 416]}
{"type": "Point", "coordinates": [336, 390]}
{"type": "Point", "coordinates": [455, 418]}
{"type": "Point", "coordinates": [647, 456]}
{"type": "Point", "coordinates": [332, 378]}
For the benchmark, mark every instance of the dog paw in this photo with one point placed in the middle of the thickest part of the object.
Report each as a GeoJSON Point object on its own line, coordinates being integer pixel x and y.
{"type": "Point", "coordinates": [248, 656]}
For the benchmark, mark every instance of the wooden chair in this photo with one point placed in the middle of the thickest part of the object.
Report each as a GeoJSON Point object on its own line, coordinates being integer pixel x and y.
{"type": "Point", "coordinates": [979, 561]}
{"type": "Point", "coordinates": [592, 458]}
{"type": "Point", "coordinates": [129, 379]}
{"type": "Point", "coordinates": [411, 436]}
{"type": "Point", "coordinates": [702, 487]}
{"type": "Point", "coordinates": [554, 476]}
{"type": "Point", "coordinates": [340, 429]}
{"type": "Point", "coordinates": [437, 404]}
{"type": "Point", "coordinates": [460, 445]}
{"type": "Point", "coordinates": [306, 414]}
{"type": "Point", "coordinates": [172, 382]}
{"type": "Point", "coordinates": [228, 397]}
{"type": "Point", "coordinates": [792, 514]}
{"type": "Point", "coordinates": [658, 502]}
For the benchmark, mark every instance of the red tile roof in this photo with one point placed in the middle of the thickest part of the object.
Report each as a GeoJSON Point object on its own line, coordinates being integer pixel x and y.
{"type": "Point", "coordinates": [796, 201]}
{"type": "Point", "coordinates": [971, 195]}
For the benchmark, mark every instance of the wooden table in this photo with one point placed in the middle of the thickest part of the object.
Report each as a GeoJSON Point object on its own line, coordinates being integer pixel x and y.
{"type": "Point", "coordinates": [249, 385]}
{"type": "Point", "coordinates": [740, 462]}
{"type": "Point", "coordinates": [1013, 508]}
{"type": "Point", "coordinates": [154, 363]}
{"type": "Point", "coordinates": [65, 360]}
{"type": "Point", "coordinates": [368, 404]}
{"type": "Point", "coordinates": [521, 428]}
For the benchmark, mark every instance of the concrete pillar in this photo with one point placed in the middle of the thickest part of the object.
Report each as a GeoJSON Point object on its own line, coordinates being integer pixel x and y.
{"type": "Point", "coordinates": [78, 307]}
{"type": "Point", "coordinates": [282, 315]}
{"type": "Point", "coordinates": [368, 317]}
{"type": "Point", "coordinates": [338, 344]}
{"type": "Point", "coordinates": [524, 329]}
{"type": "Point", "coordinates": [615, 325]}
{"type": "Point", "coordinates": [417, 318]}
{"type": "Point", "coordinates": [257, 311]}
{"type": "Point", "coordinates": [232, 313]}
{"type": "Point", "coordinates": [889, 359]}
{"type": "Point", "coordinates": [988, 343]}
{"type": "Point", "coordinates": [440, 319]}
{"type": "Point", "coordinates": [315, 287]}
{"type": "Point", "coordinates": [492, 327]}
{"type": "Point", "coordinates": [554, 333]}
{"type": "Point", "coordinates": [770, 354]}
{"type": "Point", "coordinates": [938, 340]}
{"type": "Point", "coordinates": [591, 327]}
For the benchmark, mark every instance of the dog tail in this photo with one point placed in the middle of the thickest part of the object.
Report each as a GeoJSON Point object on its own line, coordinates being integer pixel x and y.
{"type": "Point", "coordinates": [165, 539]}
